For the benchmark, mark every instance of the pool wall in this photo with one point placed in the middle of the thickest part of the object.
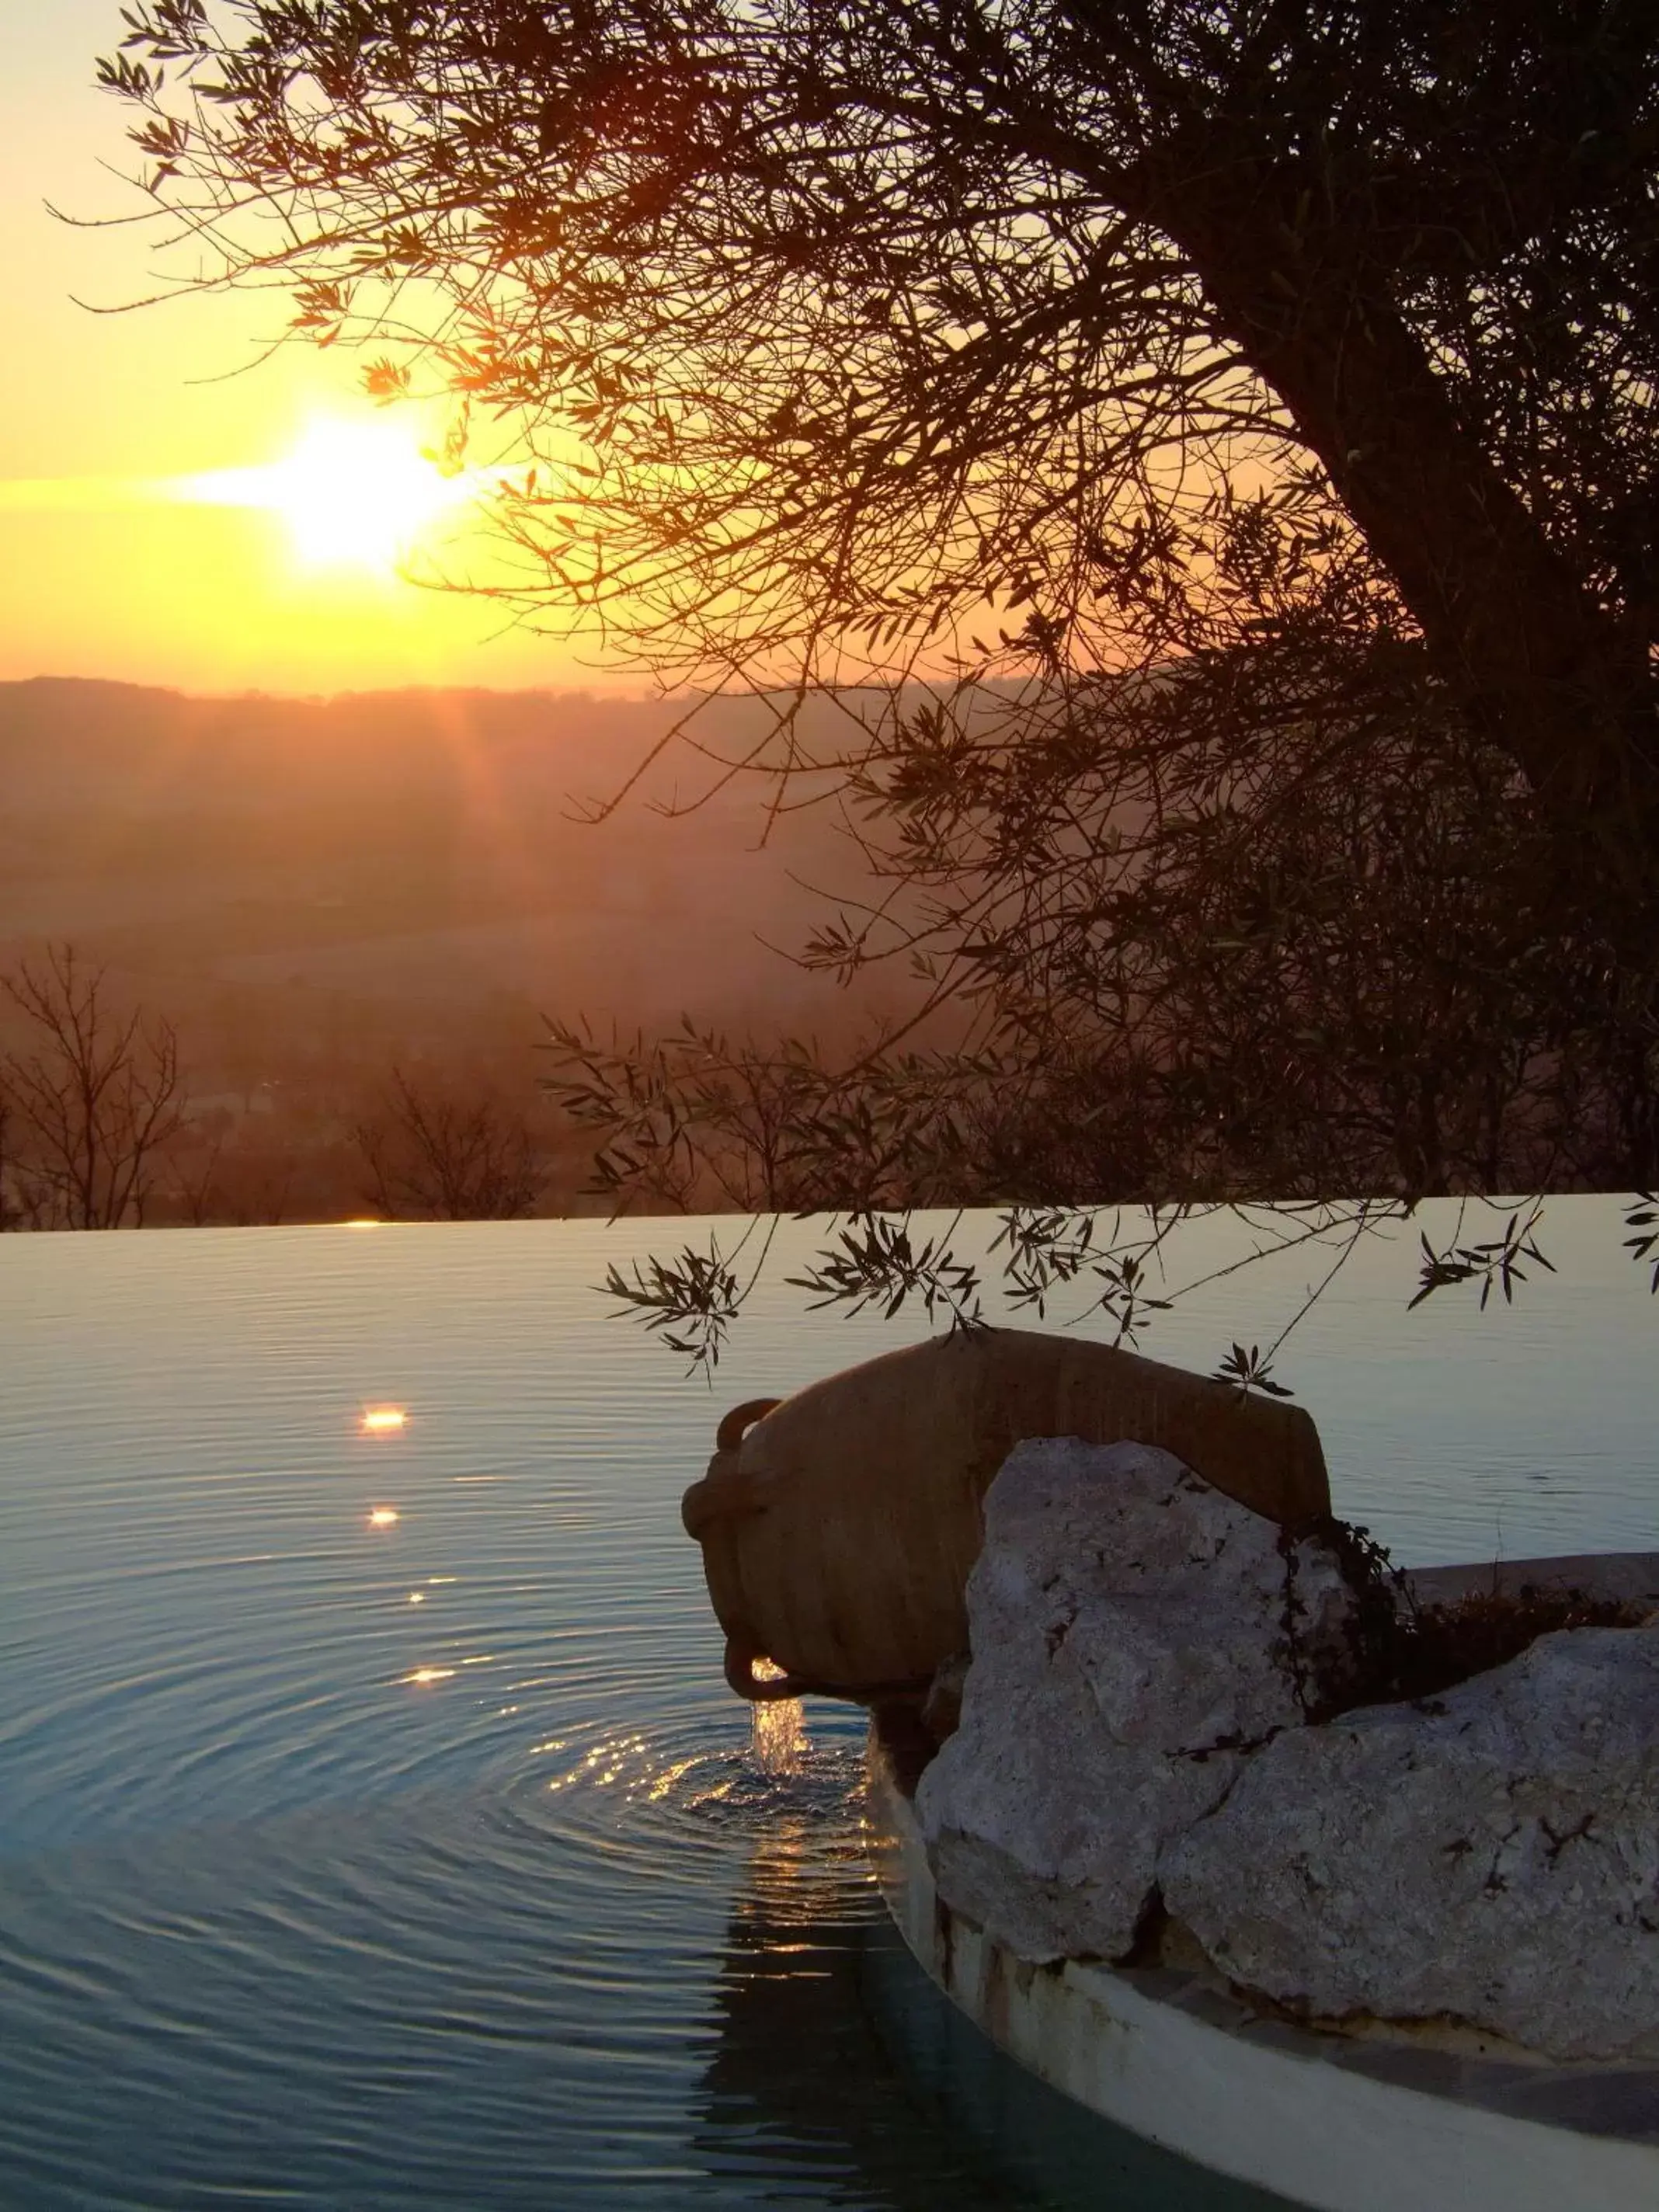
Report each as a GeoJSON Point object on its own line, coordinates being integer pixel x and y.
{"type": "Point", "coordinates": [1384, 2120]}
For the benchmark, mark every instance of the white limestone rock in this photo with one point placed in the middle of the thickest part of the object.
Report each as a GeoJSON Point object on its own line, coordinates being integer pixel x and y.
{"type": "Point", "coordinates": [1492, 1854]}
{"type": "Point", "coordinates": [1127, 1625]}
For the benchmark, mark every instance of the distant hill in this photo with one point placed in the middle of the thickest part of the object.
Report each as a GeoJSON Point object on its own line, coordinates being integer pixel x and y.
{"type": "Point", "coordinates": [407, 845]}
{"type": "Point", "coordinates": [316, 891]}
{"type": "Point", "coordinates": [68, 740]}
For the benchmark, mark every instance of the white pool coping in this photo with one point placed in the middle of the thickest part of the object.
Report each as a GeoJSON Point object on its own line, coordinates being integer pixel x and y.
{"type": "Point", "coordinates": [1341, 2123]}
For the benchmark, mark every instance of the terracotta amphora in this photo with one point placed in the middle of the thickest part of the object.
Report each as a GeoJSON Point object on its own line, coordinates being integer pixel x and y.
{"type": "Point", "coordinates": [838, 1526]}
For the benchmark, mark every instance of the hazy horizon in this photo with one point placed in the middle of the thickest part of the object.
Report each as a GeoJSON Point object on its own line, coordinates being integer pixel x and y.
{"type": "Point", "coordinates": [315, 892]}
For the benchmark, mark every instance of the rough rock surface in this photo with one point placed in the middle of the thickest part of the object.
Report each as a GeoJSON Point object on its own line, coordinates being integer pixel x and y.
{"type": "Point", "coordinates": [1492, 1854]}
{"type": "Point", "coordinates": [1127, 1625]}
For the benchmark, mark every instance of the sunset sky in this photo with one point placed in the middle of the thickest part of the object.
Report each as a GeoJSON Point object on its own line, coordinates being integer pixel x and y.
{"type": "Point", "coordinates": [163, 517]}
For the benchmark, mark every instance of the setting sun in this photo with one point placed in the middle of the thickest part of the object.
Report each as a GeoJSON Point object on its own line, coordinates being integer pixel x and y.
{"type": "Point", "coordinates": [353, 493]}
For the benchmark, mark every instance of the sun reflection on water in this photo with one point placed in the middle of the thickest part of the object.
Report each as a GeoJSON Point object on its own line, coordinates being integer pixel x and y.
{"type": "Point", "coordinates": [604, 1763]}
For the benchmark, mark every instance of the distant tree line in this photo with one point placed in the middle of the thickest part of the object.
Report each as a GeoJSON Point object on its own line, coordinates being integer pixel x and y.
{"type": "Point", "coordinates": [95, 1124]}
{"type": "Point", "coordinates": [89, 1100]}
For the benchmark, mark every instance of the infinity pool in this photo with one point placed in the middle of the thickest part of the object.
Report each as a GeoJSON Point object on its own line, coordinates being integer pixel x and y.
{"type": "Point", "coordinates": [374, 1825]}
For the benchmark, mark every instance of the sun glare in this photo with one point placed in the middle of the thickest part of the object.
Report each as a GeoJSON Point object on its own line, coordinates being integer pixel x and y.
{"type": "Point", "coordinates": [354, 495]}
{"type": "Point", "coordinates": [383, 1421]}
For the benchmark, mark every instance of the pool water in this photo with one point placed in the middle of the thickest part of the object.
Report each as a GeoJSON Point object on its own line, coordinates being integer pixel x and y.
{"type": "Point", "coordinates": [375, 1827]}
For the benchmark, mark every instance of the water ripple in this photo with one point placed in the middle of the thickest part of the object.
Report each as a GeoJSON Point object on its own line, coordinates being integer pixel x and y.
{"type": "Point", "coordinates": [375, 1827]}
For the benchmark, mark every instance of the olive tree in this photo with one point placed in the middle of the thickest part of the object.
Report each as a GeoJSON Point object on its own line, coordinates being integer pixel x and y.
{"type": "Point", "coordinates": [1222, 432]}
{"type": "Point", "coordinates": [832, 321]}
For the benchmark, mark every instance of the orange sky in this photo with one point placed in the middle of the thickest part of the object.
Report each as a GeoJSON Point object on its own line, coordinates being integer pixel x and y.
{"type": "Point", "coordinates": [112, 569]}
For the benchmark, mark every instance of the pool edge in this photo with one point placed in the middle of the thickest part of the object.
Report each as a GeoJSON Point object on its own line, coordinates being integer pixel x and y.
{"type": "Point", "coordinates": [1338, 2123]}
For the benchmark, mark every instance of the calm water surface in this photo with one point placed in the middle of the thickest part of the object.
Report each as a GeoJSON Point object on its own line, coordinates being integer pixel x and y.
{"type": "Point", "coordinates": [348, 1860]}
